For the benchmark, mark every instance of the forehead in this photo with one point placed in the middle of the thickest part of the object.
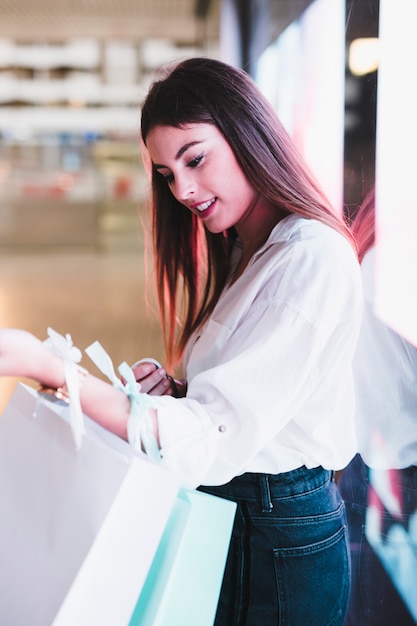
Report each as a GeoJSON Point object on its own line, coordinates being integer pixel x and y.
{"type": "Point", "coordinates": [164, 142]}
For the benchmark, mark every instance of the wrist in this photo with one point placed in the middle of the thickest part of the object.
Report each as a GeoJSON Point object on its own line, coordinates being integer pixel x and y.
{"type": "Point", "coordinates": [178, 386]}
{"type": "Point", "coordinates": [50, 370]}
{"type": "Point", "coordinates": [61, 392]}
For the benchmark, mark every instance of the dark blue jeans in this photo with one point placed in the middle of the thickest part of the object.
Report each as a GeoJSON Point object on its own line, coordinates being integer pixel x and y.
{"type": "Point", "coordinates": [288, 563]}
{"type": "Point", "coordinates": [374, 599]}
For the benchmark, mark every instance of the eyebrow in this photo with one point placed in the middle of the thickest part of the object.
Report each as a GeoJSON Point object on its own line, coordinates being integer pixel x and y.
{"type": "Point", "coordinates": [179, 154]}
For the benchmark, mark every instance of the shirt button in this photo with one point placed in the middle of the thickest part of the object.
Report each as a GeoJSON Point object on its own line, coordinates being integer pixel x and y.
{"type": "Point", "coordinates": [222, 428]}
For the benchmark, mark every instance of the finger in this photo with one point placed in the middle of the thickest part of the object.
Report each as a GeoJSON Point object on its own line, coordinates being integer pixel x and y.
{"type": "Point", "coordinates": [163, 388]}
{"type": "Point", "coordinates": [148, 359]}
{"type": "Point", "coordinates": [152, 382]}
{"type": "Point", "coordinates": [143, 370]}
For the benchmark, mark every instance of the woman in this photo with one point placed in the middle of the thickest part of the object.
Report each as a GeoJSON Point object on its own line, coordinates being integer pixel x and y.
{"type": "Point", "coordinates": [263, 275]}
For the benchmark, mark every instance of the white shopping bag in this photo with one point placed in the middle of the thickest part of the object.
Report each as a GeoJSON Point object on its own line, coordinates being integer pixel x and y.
{"type": "Point", "coordinates": [78, 529]}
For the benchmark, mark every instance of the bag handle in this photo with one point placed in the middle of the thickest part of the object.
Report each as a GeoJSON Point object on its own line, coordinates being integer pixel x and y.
{"type": "Point", "coordinates": [139, 426]}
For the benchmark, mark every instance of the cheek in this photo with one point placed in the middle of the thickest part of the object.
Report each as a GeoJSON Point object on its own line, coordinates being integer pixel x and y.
{"type": "Point", "coordinates": [238, 185]}
{"type": "Point", "coordinates": [231, 175]}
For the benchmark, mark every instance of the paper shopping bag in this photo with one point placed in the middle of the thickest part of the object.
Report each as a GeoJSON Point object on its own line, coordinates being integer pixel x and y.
{"type": "Point", "coordinates": [78, 529]}
{"type": "Point", "coordinates": [184, 583]}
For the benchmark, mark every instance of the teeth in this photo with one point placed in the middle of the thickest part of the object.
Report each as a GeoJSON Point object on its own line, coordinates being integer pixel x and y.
{"type": "Point", "coordinates": [205, 205]}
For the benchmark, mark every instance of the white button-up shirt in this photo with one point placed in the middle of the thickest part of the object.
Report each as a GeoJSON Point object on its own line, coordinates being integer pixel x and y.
{"type": "Point", "coordinates": [270, 384]}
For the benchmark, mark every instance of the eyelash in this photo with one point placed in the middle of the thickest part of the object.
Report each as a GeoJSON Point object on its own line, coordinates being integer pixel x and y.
{"type": "Point", "coordinates": [195, 162]}
{"type": "Point", "coordinates": [169, 178]}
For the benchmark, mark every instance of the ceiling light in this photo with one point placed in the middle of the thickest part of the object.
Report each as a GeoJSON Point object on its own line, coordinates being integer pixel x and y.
{"type": "Point", "coordinates": [364, 56]}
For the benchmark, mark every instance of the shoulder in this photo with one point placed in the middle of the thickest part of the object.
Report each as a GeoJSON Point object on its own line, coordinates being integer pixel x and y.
{"type": "Point", "coordinates": [314, 268]}
{"type": "Point", "coordinates": [311, 241]}
{"type": "Point", "coordinates": [295, 227]}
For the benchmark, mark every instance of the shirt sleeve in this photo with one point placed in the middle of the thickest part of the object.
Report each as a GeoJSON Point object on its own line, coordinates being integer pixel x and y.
{"type": "Point", "coordinates": [260, 361]}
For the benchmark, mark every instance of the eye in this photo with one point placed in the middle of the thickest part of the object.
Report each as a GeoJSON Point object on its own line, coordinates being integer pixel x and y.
{"type": "Point", "coordinates": [196, 162]}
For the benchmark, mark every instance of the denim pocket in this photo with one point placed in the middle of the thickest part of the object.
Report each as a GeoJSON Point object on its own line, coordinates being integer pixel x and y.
{"type": "Point", "coordinates": [316, 570]}
{"type": "Point", "coordinates": [288, 563]}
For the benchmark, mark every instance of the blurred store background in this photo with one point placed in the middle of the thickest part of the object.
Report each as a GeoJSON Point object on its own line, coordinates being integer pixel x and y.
{"type": "Point", "coordinates": [73, 193]}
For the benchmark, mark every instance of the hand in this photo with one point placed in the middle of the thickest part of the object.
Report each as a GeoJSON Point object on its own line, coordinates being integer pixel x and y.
{"type": "Point", "coordinates": [155, 381]}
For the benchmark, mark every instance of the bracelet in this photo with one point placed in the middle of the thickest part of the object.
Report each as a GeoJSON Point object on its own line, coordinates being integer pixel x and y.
{"type": "Point", "coordinates": [174, 385]}
{"type": "Point", "coordinates": [61, 393]}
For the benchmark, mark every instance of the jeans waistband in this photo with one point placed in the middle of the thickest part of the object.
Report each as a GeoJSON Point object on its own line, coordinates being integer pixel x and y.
{"type": "Point", "coordinates": [267, 487]}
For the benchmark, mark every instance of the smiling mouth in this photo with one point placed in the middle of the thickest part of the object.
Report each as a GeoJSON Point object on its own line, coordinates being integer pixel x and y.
{"type": "Point", "coordinates": [204, 205]}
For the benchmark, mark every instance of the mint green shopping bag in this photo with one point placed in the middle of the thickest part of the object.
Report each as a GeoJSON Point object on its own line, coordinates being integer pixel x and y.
{"type": "Point", "coordinates": [183, 584]}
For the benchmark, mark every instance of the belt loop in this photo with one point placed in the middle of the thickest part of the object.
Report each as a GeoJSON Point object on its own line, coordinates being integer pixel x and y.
{"type": "Point", "coordinates": [267, 505]}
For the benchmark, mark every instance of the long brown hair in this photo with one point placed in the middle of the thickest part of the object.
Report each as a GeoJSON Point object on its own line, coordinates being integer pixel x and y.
{"type": "Point", "coordinates": [363, 225]}
{"type": "Point", "coordinates": [191, 262]}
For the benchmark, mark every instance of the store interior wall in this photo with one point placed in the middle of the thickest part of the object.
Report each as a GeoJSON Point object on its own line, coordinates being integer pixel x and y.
{"type": "Point", "coordinates": [73, 201]}
{"type": "Point", "coordinates": [73, 192]}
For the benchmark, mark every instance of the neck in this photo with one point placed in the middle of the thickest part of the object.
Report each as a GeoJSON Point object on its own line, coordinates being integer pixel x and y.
{"type": "Point", "coordinates": [257, 225]}
{"type": "Point", "coordinates": [255, 229]}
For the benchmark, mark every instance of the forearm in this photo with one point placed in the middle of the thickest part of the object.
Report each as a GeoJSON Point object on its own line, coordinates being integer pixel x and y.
{"type": "Point", "coordinates": [23, 355]}
{"type": "Point", "coordinates": [108, 406]}
{"type": "Point", "coordinates": [105, 404]}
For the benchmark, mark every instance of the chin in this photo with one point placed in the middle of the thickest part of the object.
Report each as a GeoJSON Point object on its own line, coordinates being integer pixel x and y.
{"type": "Point", "coordinates": [214, 229]}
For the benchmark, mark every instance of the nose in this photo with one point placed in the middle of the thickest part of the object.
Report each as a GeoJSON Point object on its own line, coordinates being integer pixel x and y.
{"type": "Point", "coordinates": [184, 188]}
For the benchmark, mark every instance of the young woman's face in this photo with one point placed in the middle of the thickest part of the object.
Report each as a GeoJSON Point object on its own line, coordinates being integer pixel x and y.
{"type": "Point", "coordinates": [203, 174]}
